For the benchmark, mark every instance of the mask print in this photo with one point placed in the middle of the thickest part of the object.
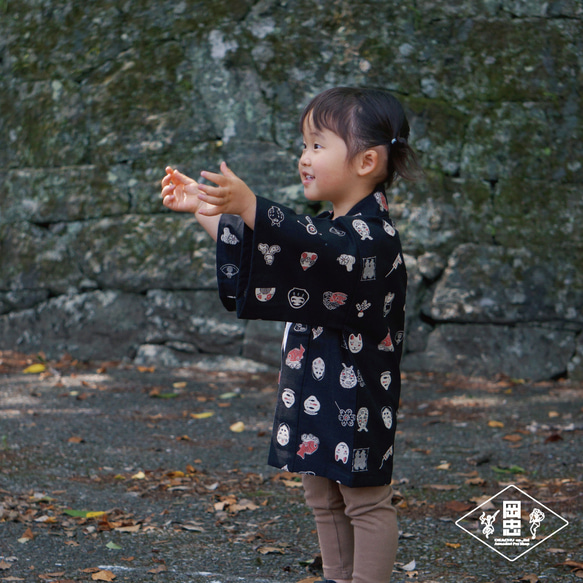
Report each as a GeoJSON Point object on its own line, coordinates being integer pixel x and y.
{"type": "Point", "coordinates": [387, 344]}
{"type": "Point", "coordinates": [309, 445]}
{"type": "Point", "coordinates": [382, 201]}
{"type": "Point", "coordinates": [386, 380]}
{"type": "Point", "coordinates": [369, 269]}
{"type": "Point", "coordinates": [338, 232]}
{"type": "Point", "coordinates": [275, 215]}
{"type": "Point", "coordinates": [362, 419]}
{"type": "Point", "coordinates": [318, 368]}
{"type": "Point", "coordinates": [307, 259]}
{"type": "Point", "coordinates": [282, 436]}
{"type": "Point", "coordinates": [348, 378]}
{"type": "Point", "coordinates": [399, 337]}
{"type": "Point", "coordinates": [294, 357]}
{"type": "Point", "coordinates": [388, 303]}
{"type": "Point", "coordinates": [347, 260]}
{"type": "Point", "coordinates": [298, 297]}
{"type": "Point", "coordinates": [362, 229]}
{"type": "Point", "coordinates": [288, 397]}
{"type": "Point", "coordinates": [387, 417]}
{"type": "Point", "coordinates": [360, 461]}
{"type": "Point", "coordinates": [229, 270]}
{"type": "Point", "coordinates": [228, 238]}
{"type": "Point", "coordinates": [264, 294]}
{"type": "Point", "coordinates": [269, 252]}
{"type": "Point", "coordinates": [355, 343]}
{"type": "Point", "coordinates": [311, 405]}
{"type": "Point", "coordinates": [333, 300]}
{"type": "Point", "coordinates": [389, 229]}
{"type": "Point", "coordinates": [341, 453]}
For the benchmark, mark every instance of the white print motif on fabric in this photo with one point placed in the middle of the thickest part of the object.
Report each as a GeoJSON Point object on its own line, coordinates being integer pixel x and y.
{"type": "Point", "coordinates": [317, 331]}
{"type": "Point", "coordinates": [387, 344]}
{"type": "Point", "coordinates": [275, 215]}
{"type": "Point", "coordinates": [369, 269]}
{"type": "Point", "coordinates": [387, 416]}
{"type": "Point", "coordinates": [362, 229]}
{"type": "Point", "coordinates": [309, 445]}
{"type": "Point", "coordinates": [311, 405]}
{"type": "Point", "coordinates": [388, 303]}
{"type": "Point", "coordinates": [229, 270]}
{"type": "Point", "coordinates": [298, 297]}
{"type": "Point", "coordinates": [310, 227]}
{"type": "Point", "coordinates": [269, 252]}
{"type": "Point", "coordinates": [382, 201]}
{"type": "Point", "coordinates": [288, 396]}
{"type": "Point", "coordinates": [362, 307]}
{"type": "Point", "coordinates": [345, 416]}
{"type": "Point", "coordinates": [264, 294]}
{"type": "Point", "coordinates": [399, 336]}
{"type": "Point", "coordinates": [347, 260]}
{"type": "Point", "coordinates": [342, 452]}
{"type": "Point", "coordinates": [362, 419]}
{"type": "Point", "coordinates": [387, 455]}
{"type": "Point", "coordinates": [333, 300]}
{"type": "Point", "coordinates": [386, 380]}
{"type": "Point", "coordinates": [338, 232]}
{"type": "Point", "coordinates": [228, 238]}
{"type": "Point", "coordinates": [301, 328]}
{"type": "Point", "coordinates": [294, 357]}
{"type": "Point", "coordinates": [307, 259]}
{"type": "Point", "coordinates": [398, 261]}
{"type": "Point", "coordinates": [355, 343]}
{"type": "Point", "coordinates": [318, 368]}
{"type": "Point", "coordinates": [389, 229]}
{"type": "Point", "coordinates": [348, 378]}
{"type": "Point", "coordinates": [283, 433]}
{"type": "Point", "coordinates": [360, 379]}
{"type": "Point", "coordinates": [360, 460]}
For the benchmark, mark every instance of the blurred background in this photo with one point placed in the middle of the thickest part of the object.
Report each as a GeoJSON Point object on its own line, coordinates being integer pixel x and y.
{"type": "Point", "coordinates": [97, 97]}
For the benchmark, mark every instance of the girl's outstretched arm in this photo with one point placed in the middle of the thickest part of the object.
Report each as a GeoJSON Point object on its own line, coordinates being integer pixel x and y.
{"type": "Point", "coordinates": [231, 196]}
{"type": "Point", "coordinates": [180, 194]}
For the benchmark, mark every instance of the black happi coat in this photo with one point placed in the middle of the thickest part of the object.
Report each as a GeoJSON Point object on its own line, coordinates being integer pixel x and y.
{"type": "Point", "coordinates": [342, 283]}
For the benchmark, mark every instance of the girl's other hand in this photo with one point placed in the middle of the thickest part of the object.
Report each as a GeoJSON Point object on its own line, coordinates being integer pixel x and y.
{"type": "Point", "coordinates": [180, 192]}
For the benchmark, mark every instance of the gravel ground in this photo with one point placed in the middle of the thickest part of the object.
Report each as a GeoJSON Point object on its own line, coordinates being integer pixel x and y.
{"type": "Point", "coordinates": [110, 471]}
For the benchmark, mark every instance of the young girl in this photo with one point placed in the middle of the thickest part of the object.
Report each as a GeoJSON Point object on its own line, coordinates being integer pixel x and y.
{"type": "Point", "coordinates": [339, 281]}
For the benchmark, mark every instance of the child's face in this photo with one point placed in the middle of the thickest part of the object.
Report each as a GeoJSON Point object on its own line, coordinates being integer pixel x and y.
{"type": "Point", "coordinates": [325, 172]}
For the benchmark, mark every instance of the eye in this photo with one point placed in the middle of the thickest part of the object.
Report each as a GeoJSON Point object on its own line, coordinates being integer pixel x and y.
{"type": "Point", "coordinates": [317, 146]}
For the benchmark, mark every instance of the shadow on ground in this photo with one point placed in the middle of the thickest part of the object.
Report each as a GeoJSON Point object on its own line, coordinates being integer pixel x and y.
{"type": "Point", "coordinates": [113, 472]}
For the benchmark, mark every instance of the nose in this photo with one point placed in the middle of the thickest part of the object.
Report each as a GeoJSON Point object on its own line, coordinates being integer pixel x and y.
{"type": "Point", "coordinates": [304, 158]}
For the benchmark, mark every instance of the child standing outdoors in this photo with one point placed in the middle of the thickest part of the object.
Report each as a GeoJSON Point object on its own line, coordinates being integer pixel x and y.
{"type": "Point", "coordinates": [339, 281]}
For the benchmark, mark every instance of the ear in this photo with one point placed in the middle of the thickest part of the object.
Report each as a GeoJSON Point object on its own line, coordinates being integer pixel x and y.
{"type": "Point", "coordinates": [371, 161]}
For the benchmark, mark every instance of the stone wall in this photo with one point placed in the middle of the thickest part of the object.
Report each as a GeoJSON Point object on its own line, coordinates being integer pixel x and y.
{"type": "Point", "coordinates": [97, 98]}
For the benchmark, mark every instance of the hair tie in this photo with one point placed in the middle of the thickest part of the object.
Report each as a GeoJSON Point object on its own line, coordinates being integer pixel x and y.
{"type": "Point", "coordinates": [399, 140]}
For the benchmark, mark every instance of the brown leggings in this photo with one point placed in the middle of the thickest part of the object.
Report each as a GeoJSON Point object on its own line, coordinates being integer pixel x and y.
{"type": "Point", "coordinates": [357, 530]}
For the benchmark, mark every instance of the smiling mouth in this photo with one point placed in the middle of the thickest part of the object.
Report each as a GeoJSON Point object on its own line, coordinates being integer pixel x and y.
{"type": "Point", "coordinates": [306, 178]}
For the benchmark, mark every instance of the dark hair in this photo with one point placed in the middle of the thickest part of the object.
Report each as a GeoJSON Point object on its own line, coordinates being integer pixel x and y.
{"type": "Point", "coordinates": [365, 118]}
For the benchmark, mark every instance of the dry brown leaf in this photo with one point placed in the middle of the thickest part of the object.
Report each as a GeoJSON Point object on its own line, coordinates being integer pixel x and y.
{"type": "Point", "coordinates": [4, 565]}
{"type": "Point", "coordinates": [493, 423]}
{"type": "Point", "coordinates": [104, 575]}
{"type": "Point", "coordinates": [443, 466]}
{"type": "Point", "coordinates": [529, 578]}
{"type": "Point", "coordinates": [443, 487]}
{"type": "Point", "coordinates": [27, 536]}
{"type": "Point", "coordinates": [453, 545]}
{"type": "Point", "coordinates": [267, 550]}
{"type": "Point", "coordinates": [51, 575]}
{"type": "Point", "coordinates": [75, 439]}
{"type": "Point", "coordinates": [457, 506]}
{"type": "Point", "coordinates": [512, 437]}
{"type": "Point", "coordinates": [158, 569]}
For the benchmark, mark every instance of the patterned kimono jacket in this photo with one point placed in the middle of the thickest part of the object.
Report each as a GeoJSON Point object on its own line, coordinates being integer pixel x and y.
{"type": "Point", "coordinates": [340, 284]}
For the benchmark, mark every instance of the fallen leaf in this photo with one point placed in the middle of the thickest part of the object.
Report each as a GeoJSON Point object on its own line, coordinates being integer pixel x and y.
{"type": "Point", "coordinates": [146, 368]}
{"type": "Point", "coordinates": [453, 545]}
{"type": "Point", "coordinates": [409, 566]}
{"type": "Point", "coordinates": [204, 415]}
{"type": "Point", "coordinates": [51, 575]}
{"type": "Point", "coordinates": [443, 466]}
{"type": "Point", "coordinates": [134, 528]}
{"type": "Point", "coordinates": [554, 414]}
{"type": "Point", "coordinates": [4, 565]}
{"type": "Point", "coordinates": [113, 546]}
{"type": "Point", "coordinates": [457, 506]}
{"type": "Point", "coordinates": [26, 537]}
{"type": "Point", "coordinates": [237, 427]}
{"type": "Point", "coordinates": [158, 569]}
{"type": "Point", "coordinates": [443, 487]}
{"type": "Point", "coordinates": [513, 437]}
{"type": "Point", "coordinates": [530, 578]}
{"type": "Point", "coordinates": [267, 550]}
{"type": "Point", "coordinates": [179, 385]}
{"type": "Point", "coordinates": [35, 368]}
{"type": "Point", "coordinates": [493, 423]}
{"type": "Point", "coordinates": [553, 437]}
{"type": "Point", "coordinates": [104, 575]}
{"type": "Point", "coordinates": [139, 476]}
{"type": "Point", "coordinates": [12, 579]}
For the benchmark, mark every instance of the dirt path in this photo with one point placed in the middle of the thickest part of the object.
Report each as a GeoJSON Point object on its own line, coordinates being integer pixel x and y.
{"type": "Point", "coordinates": [114, 472]}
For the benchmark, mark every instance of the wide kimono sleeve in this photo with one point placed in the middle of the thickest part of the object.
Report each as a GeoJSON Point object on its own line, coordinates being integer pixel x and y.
{"type": "Point", "coordinates": [293, 267]}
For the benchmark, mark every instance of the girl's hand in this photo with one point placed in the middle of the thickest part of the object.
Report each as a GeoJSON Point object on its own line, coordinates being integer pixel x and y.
{"type": "Point", "coordinates": [231, 196]}
{"type": "Point", "coordinates": [179, 192]}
